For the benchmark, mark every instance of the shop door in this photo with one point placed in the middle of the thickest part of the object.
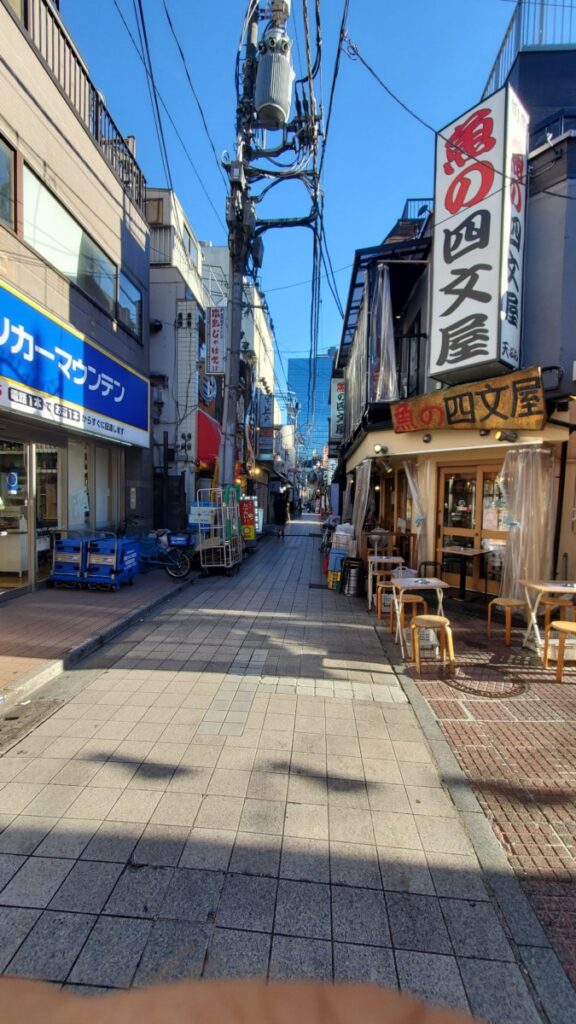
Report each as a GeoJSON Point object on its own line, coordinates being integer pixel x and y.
{"type": "Point", "coordinates": [472, 513]}
{"type": "Point", "coordinates": [14, 509]}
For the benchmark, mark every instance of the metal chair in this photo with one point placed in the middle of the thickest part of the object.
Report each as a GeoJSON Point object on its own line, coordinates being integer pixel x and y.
{"type": "Point", "coordinates": [436, 569]}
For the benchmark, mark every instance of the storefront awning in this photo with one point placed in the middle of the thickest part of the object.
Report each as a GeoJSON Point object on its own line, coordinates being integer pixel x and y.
{"type": "Point", "coordinates": [209, 438]}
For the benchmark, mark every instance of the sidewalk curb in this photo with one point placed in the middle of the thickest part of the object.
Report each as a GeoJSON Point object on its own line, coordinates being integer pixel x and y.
{"type": "Point", "coordinates": [37, 678]}
{"type": "Point", "coordinates": [535, 957]}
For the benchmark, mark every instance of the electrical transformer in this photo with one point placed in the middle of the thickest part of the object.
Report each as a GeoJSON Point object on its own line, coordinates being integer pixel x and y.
{"type": "Point", "coordinates": [274, 78]}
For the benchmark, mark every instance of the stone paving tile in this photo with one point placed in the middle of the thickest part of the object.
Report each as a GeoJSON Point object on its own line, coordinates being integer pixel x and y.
{"type": "Point", "coordinates": [175, 951]}
{"type": "Point", "coordinates": [456, 875]}
{"type": "Point", "coordinates": [297, 959]}
{"type": "Point", "coordinates": [417, 924]}
{"type": "Point", "coordinates": [255, 854]}
{"type": "Point", "coordinates": [306, 821]}
{"type": "Point", "coordinates": [248, 903]}
{"type": "Point", "coordinates": [112, 953]}
{"type": "Point", "coordinates": [161, 845]}
{"type": "Point", "coordinates": [114, 841]}
{"type": "Point", "coordinates": [51, 948]}
{"type": "Point", "coordinates": [303, 908]}
{"type": "Point", "coordinates": [9, 865]}
{"type": "Point", "coordinates": [87, 887]}
{"type": "Point", "coordinates": [192, 896]}
{"type": "Point", "coordinates": [442, 835]}
{"type": "Point", "coordinates": [368, 964]}
{"type": "Point", "coordinates": [405, 871]}
{"type": "Point", "coordinates": [36, 882]}
{"type": "Point", "coordinates": [305, 859]}
{"type": "Point", "coordinates": [220, 812]}
{"type": "Point", "coordinates": [354, 864]}
{"type": "Point", "coordinates": [139, 892]}
{"type": "Point", "coordinates": [433, 977]}
{"type": "Point", "coordinates": [396, 830]}
{"type": "Point", "coordinates": [475, 930]}
{"type": "Point", "coordinates": [237, 954]}
{"type": "Point", "coordinates": [15, 924]}
{"type": "Point", "coordinates": [498, 992]}
{"type": "Point", "coordinates": [359, 916]}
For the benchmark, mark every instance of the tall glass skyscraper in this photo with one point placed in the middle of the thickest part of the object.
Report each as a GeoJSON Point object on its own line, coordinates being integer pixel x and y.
{"type": "Point", "coordinates": [312, 417]}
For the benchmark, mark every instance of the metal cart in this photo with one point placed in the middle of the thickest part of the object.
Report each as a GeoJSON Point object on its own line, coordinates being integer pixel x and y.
{"type": "Point", "coordinates": [220, 543]}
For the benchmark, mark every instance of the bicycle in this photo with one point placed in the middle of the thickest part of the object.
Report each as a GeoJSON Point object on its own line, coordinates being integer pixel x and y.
{"type": "Point", "coordinates": [156, 549]}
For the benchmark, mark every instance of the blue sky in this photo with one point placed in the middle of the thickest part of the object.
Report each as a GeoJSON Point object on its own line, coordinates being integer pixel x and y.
{"type": "Point", "coordinates": [435, 54]}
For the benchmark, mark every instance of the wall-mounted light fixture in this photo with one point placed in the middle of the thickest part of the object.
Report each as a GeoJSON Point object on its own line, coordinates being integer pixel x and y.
{"type": "Point", "coordinates": [507, 435]}
{"type": "Point", "coordinates": [388, 467]}
{"type": "Point", "coordinates": [426, 438]}
{"type": "Point", "coordinates": [377, 487]}
{"type": "Point", "coordinates": [380, 449]}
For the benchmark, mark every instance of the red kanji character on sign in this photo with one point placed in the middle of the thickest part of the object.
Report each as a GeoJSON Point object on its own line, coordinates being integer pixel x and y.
{"type": "Point", "coordinates": [404, 419]}
{"type": "Point", "coordinates": [470, 139]}
{"type": "Point", "coordinates": [479, 178]}
{"type": "Point", "coordinates": [429, 413]}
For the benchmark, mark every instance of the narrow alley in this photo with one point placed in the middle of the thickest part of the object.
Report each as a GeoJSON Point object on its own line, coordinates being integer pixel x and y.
{"type": "Point", "coordinates": [238, 786]}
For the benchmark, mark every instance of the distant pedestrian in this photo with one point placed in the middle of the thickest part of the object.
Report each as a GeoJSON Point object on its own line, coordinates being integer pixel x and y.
{"type": "Point", "coordinates": [280, 514]}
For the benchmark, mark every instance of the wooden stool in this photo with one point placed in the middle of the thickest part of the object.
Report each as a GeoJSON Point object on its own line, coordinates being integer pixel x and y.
{"type": "Point", "coordinates": [508, 603]}
{"type": "Point", "coordinates": [380, 589]}
{"type": "Point", "coordinates": [413, 600]}
{"type": "Point", "coordinates": [550, 603]}
{"type": "Point", "coordinates": [564, 629]}
{"type": "Point", "coordinates": [442, 625]}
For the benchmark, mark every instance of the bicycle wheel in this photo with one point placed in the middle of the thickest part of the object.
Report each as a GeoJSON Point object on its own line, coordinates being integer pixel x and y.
{"type": "Point", "coordinates": [177, 563]}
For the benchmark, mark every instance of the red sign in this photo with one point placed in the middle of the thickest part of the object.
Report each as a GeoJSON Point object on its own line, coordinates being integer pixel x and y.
{"type": "Point", "coordinates": [248, 518]}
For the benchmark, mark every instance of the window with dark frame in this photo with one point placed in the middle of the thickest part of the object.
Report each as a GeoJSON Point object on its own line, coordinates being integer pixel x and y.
{"type": "Point", "coordinates": [7, 163]}
{"type": "Point", "coordinates": [58, 237]}
{"type": "Point", "coordinates": [129, 305]}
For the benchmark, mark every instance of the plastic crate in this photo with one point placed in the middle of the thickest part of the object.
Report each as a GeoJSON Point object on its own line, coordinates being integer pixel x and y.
{"type": "Point", "coordinates": [336, 559]}
{"type": "Point", "coordinates": [69, 560]}
{"type": "Point", "coordinates": [111, 562]}
{"type": "Point", "coordinates": [334, 580]}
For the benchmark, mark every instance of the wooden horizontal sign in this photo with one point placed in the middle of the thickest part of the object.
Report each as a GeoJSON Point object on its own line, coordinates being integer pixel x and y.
{"type": "Point", "coordinates": [514, 401]}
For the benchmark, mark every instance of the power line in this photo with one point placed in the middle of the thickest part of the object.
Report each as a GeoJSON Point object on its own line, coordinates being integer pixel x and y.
{"type": "Point", "coordinates": [141, 25]}
{"type": "Point", "coordinates": [172, 122]}
{"type": "Point", "coordinates": [198, 104]}
{"type": "Point", "coordinates": [354, 53]}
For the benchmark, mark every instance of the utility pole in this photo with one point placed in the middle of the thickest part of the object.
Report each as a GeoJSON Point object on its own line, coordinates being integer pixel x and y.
{"type": "Point", "coordinates": [241, 219]}
{"type": "Point", "coordinates": [263, 105]}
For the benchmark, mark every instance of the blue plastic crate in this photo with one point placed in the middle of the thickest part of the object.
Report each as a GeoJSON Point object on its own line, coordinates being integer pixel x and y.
{"type": "Point", "coordinates": [336, 559]}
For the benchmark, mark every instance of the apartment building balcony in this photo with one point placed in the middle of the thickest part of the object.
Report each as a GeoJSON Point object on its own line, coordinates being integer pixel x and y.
{"type": "Point", "coordinates": [47, 34]}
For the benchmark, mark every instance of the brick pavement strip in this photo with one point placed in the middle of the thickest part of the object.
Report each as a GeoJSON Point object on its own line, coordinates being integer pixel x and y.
{"type": "Point", "coordinates": [238, 787]}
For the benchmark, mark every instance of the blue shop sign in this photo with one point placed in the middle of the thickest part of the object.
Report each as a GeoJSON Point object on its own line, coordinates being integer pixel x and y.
{"type": "Point", "coordinates": [49, 370]}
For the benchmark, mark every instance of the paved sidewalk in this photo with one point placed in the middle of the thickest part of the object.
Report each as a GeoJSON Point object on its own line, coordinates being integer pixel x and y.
{"type": "Point", "coordinates": [43, 632]}
{"type": "Point", "coordinates": [237, 786]}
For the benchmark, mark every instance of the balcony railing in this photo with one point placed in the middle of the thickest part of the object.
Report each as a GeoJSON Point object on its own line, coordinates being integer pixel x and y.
{"type": "Point", "coordinates": [59, 54]}
{"type": "Point", "coordinates": [535, 23]}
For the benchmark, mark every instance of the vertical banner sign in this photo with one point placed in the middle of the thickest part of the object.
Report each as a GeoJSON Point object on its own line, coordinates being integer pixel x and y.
{"type": "Point", "coordinates": [265, 444]}
{"type": "Point", "coordinates": [248, 518]}
{"type": "Point", "coordinates": [480, 198]}
{"type": "Point", "coordinates": [513, 230]}
{"type": "Point", "coordinates": [337, 408]}
{"type": "Point", "coordinates": [216, 340]}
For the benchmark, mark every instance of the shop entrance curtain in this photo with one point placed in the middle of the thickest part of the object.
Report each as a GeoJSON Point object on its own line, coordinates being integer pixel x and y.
{"type": "Point", "coordinates": [527, 479]}
{"type": "Point", "coordinates": [347, 502]}
{"type": "Point", "coordinates": [361, 496]}
{"type": "Point", "coordinates": [418, 478]}
{"type": "Point", "coordinates": [383, 376]}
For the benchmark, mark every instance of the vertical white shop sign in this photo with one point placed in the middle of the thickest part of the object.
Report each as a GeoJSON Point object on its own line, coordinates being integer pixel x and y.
{"type": "Point", "coordinates": [216, 339]}
{"type": "Point", "coordinates": [480, 184]}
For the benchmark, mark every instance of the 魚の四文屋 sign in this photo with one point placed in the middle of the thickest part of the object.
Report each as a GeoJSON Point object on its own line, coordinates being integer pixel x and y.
{"type": "Point", "coordinates": [515, 401]}
{"type": "Point", "coordinates": [479, 215]}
